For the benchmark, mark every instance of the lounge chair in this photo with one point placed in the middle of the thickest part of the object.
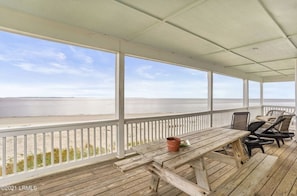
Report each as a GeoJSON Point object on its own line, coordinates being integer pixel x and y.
{"type": "Point", "coordinates": [278, 130]}
{"type": "Point", "coordinates": [253, 141]}
{"type": "Point", "coordinates": [270, 116]}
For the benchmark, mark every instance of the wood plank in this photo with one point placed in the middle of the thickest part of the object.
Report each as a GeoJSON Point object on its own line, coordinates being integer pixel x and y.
{"type": "Point", "coordinates": [294, 189]}
{"type": "Point", "coordinates": [132, 163]}
{"type": "Point", "coordinates": [243, 181]}
{"type": "Point", "coordinates": [221, 158]}
{"type": "Point", "coordinates": [285, 153]}
{"type": "Point", "coordinates": [248, 186]}
{"type": "Point", "coordinates": [288, 181]}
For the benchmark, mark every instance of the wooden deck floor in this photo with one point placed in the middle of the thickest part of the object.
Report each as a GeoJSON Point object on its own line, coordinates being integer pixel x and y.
{"type": "Point", "coordinates": [104, 179]}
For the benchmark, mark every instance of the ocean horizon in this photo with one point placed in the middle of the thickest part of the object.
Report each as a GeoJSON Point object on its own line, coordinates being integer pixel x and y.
{"type": "Point", "coordinates": [59, 106]}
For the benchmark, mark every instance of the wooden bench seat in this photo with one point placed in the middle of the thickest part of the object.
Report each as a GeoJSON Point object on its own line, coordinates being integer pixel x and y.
{"type": "Point", "coordinates": [132, 163]}
{"type": "Point", "coordinates": [245, 180]}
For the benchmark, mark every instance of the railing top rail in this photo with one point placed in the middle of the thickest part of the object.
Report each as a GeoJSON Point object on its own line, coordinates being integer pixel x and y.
{"type": "Point", "coordinates": [165, 117]}
{"type": "Point", "coordinates": [54, 127]}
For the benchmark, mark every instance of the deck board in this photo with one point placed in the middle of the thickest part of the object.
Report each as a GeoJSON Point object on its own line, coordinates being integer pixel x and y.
{"type": "Point", "coordinates": [104, 179]}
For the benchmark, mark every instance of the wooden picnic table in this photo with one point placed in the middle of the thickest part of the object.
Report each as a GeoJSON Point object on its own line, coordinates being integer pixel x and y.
{"type": "Point", "coordinates": [162, 164]}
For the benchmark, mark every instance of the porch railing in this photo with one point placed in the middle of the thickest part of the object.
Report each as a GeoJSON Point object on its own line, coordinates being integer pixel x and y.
{"type": "Point", "coordinates": [38, 150]}
{"type": "Point", "coordinates": [32, 151]}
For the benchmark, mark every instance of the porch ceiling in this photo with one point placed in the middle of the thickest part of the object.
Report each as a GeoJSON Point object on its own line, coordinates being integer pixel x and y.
{"type": "Point", "coordinates": [255, 38]}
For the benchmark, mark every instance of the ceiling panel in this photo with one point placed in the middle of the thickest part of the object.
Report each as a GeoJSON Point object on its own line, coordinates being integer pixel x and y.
{"type": "Point", "coordinates": [250, 68]}
{"type": "Point", "coordinates": [282, 64]}
{"type": "Point", "coordinates": [226, 58]}
{"type": "Point", "coordinates": [285, 14]}
{"type": "Point", "coordinates": [294, 40]}
{"type": "Point", "coordinates": [269, 74]}
{"type": "Point", "coordinates": [229, 23]}
{"type": "Point", "coordinates": [288, 72]}
{"type": "Point", "coordinates": [107, 17]}
{"type": "Point", "coordinates": [158, 8]}
{"type": "Point", "coordinates": [172, 39]}
{"type": "Point", "coordinates": [267, 51]}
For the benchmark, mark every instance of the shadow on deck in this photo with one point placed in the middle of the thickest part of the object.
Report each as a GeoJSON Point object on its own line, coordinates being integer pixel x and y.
{"type": "Point", "coordinates": [104, 179]}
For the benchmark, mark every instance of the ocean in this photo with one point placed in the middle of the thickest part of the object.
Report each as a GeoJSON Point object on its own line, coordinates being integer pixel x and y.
{"type": "Point", "coordinates": [23, 107]}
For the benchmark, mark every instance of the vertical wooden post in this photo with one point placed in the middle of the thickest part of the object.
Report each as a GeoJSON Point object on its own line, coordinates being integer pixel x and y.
{"type": "Point", "coordinates": [201, 173]}
{"type": "Point", "coordinates": [239, 155]}
{"type": "Point", "coordinates": [155, 180]}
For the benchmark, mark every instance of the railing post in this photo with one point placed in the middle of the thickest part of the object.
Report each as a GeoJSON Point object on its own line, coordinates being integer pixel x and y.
{"type": "Point", "coordinates": [120, 98]}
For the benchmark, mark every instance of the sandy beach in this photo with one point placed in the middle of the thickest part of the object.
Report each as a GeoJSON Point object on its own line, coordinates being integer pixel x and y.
{"type": "Point", "coordinates": [9, 122]}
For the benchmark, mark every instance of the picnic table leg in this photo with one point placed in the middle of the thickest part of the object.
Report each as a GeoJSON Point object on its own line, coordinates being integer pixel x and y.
{"type": "Point", "coordinates": [158, 172]}
{"type": "Point", "coordinates": [239, 155]}
{"type": "Point", "coordinates": [201, 173]}
{"type": "Point", "coordinates": [155, 182]}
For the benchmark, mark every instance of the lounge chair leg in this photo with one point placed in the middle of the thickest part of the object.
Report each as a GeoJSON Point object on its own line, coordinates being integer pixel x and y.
{"type": "Point", "coordinates": [277, 141]}
{"type": "Point", "coordinates": [249, 151]}
{"type": "Point", "coordinates": [283, 140]}
{"type": "Point", "coordinates": [262, 149]}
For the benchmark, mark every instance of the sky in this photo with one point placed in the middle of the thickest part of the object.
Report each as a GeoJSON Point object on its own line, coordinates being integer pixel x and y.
{"type": "Point", "coordinates": [31, 67]}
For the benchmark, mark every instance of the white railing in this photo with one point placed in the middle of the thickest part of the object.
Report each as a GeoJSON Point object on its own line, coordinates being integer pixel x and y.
{"type": "Point", "coordinates": [289, 109]}
{"type": "Point", "coordinates": [34, 151]}
{"type": "Point", "coordinates": [144, 130]}
{"type": "Point", "coordinates": [31, 151]}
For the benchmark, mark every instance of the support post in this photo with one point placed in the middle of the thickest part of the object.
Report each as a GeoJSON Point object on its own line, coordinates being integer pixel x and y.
{"type": "Point", "coordinates": [246, 93]}
{"type": "Point", "coordinates": [295, 100]}
{"type": "Point", "coordinates": [210, 96]}
{"type": "Point", "coordinates": [120, 98]}
{"type": "Point", "coordinates": [261, 98]}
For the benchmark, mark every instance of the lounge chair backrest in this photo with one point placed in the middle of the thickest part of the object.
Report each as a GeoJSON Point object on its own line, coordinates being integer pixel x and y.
{"type": "Point", "coordinates": [254, 126]}
{"type": "Point", "coordinates": [284, 126]}
{"type": "Point", "coordinates": [275, 125]}
{"type": "Point", "coordinates": [275, 113]}
{"type": "Point", "coordinates": [240, 120]}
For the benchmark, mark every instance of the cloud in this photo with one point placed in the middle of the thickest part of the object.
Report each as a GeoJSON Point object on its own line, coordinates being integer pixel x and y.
{"type": "Point", "coordinates": [143, 71]}
{"type": "Point", "coordinates": [61, 56]}
{"type": "Point", "coordinates": [55, 68]}
{"type": "Point", "coordinates": [148, 72]}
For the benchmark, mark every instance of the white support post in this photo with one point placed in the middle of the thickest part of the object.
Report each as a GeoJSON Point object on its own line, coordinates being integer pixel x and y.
{"type": "Point", "coordinates": [210, 96]}
{"type": "Point", "coordinates": [261, 98]}
{"type": "Point", "coordinates": [120, 98]}
{"type": "Point", "coordinates": [295, 99]}
{"type": "Point", "coordinates": [245, 93]}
